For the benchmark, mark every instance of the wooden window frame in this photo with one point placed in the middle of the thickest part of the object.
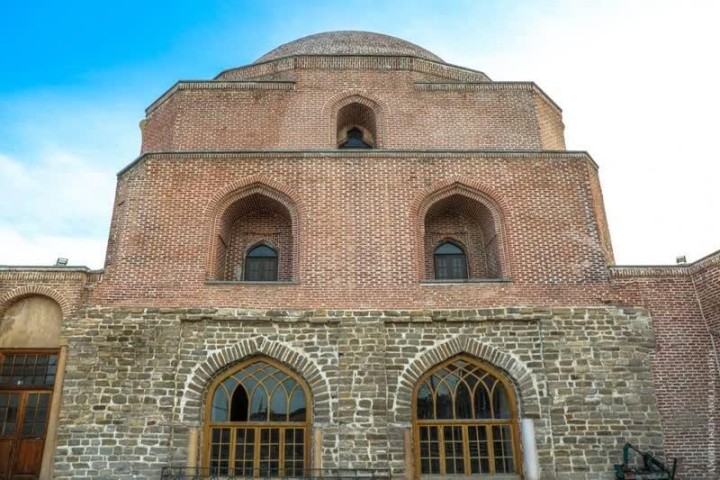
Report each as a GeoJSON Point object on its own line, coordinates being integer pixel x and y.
{"type": "Point", "coordinates": [209, 424]}
{"type": "Point", "coordinates": [513, 422]}
{"type": "Point", "coordinates": [275, 260]}
{"type": "Point", "coordinates": [437, 256]}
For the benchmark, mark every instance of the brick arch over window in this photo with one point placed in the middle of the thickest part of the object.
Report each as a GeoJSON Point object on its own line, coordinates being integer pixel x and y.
{"type": "Point", "coordinates": [469, 214]}
{"type": "Point", "coordinates": [356, 108]}
{"type": "Point", "coordinates": [249, 213]}
{"type": "Point", "coordinates": [218, 362]}
{"type": "Point", "coordinates": [526, 390]}
{"type": "Point", "coordinates": [13, 296]}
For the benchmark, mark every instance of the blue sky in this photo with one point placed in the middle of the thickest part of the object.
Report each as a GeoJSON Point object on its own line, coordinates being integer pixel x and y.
{"type": "Point", "coordinates": [636, 80]}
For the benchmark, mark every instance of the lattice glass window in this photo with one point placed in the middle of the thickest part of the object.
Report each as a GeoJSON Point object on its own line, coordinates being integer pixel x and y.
{"type": "Point", "coordinates": [258, 423]}
{"type": "Point", "coordinates": [465, 421]}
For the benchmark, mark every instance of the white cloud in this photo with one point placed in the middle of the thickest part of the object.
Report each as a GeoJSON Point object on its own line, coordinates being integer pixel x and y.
{"type": "Point", "coordinates": [636, 82]}
{"type": "Point", "coordinates": [18, 249]}
{"type": "Point", "coordinates": [57, 206]}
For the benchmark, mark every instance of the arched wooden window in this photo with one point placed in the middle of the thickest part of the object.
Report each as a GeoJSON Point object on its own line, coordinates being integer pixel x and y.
{"type": "Point", "coordinates": [258, 422]}
{"type": "Point", "coordinates": [465, 421]}
{"type": "Point", "coordinates": [261, 264]}
{"type": "Point", "coordinates": [450, 262]}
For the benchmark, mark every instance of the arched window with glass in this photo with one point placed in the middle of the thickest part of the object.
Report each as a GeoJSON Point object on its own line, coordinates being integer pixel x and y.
{"type": "Point", "coordinates": [465, 421]}
{"type": "Point", "coordinates": [261, 264]}
{"type": "Point", "coordinates": [450, 262]}
{"type": "Point", "coordinates": [258, 422]}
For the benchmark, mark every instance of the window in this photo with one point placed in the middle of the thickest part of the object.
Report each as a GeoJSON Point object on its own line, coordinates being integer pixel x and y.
{"type": "Point", "coordinates": [26, 387]}
{"type": "Point", "coordinates": [252, 217]}
{"type": "Point", "coordinates": [356, 126]}
{"type": "Point", "coordinates": [261, 264]}
{"type": "Point", "coordinates": [450, 262]}
{"type": "Point", "coordinates": [258, 423]}
{"type": "Point", "coordinates": [471, 224]}
{"type": "Point", "coordinates": [465, 421]}
{"type": "Point", "coordinates": [355, 139]}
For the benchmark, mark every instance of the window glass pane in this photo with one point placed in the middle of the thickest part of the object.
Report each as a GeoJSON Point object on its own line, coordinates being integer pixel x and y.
{"type": "Point", "coordinates": [482, 402]}
{"type": "Point", "coordinates": [424, 404]}
{"type": "Point", "coordinates": [448, 249]}
{"type": "Point", "coordinates": [502, 447]}
{"type": "Point", "coordinates": [259, 405]}
{"type": "Point", "coordinates": [9, 403]}
{"type": "Point", "coordinates": [443, 402]}
{"type": "Point", "coordinates": [463, 402]}
{"type": "Point", "coordinates": [244, 451]}
{"type": "Point", "coordinates": [28, 370]}
{"type": "Point", "coordinates": [297, 406]}
{"type": "Point", "coordinates": [501, 405]}
{"type": "Point", "coordinates": [220, 405]}
{"type": "Point", "coordinates": [262, 251]}
{"type": "Point", "coordinates": [453, 446]}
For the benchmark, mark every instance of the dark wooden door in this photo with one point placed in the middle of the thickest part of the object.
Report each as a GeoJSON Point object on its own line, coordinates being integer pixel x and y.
{"type": "Point", "coordinates": [26, 380]}
{"type": "Point", "coordinates": [23, 423]}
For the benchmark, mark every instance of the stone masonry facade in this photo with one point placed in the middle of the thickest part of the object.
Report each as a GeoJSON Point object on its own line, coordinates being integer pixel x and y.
{"type": "Point", "coordinates": [582, 373]}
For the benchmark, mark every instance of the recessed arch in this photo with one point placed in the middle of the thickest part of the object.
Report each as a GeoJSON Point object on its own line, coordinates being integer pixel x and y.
{"type": "Point", "coordinates": [219, 361]}
{"type": "Point", "coordinates": [522, 380]}
{"type": "Point", "coordinates": [248, 213]}
{"type": "Point", "coordinates": [356, 108]}
{"type": "Point", "coordinates": [467, 213]}
{"type": "Point", "coordinates": [9, 298]}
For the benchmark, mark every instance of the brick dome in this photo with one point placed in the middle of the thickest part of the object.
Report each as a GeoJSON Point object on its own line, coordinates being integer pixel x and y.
{"type": "Point", "coordinates": [349, 43]}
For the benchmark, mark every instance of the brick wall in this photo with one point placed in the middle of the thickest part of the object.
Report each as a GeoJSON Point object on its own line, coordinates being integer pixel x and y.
{"type": "Point", "coordinates": [357, 233]}
{"type": "Point", "coordinates": [301, 114]}
{"type": "Point", "coordinates": [684, 364]}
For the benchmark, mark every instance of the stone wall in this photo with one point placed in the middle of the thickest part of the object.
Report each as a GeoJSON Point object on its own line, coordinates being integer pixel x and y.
{"type": "Point", "coordinates": [136, 380]}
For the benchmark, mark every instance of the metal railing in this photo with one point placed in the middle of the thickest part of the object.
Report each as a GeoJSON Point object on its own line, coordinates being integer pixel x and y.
{"type": "Point", "coordinates": [214, 473]}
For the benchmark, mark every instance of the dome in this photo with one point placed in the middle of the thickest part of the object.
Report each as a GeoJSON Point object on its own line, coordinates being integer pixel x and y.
{"type": "Point", "coordinates": [349, 43]}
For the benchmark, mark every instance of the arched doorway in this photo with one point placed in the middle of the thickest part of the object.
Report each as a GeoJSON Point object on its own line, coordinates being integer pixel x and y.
{"type": "Point", "coordinates": [258, 422]}
{"type": "Point", "coordinates": [465, 420]}
{"type": "Point", "coordinates": [30, 368]}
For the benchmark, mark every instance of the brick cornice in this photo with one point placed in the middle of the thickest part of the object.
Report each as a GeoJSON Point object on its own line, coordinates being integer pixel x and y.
{"type": "Point", "coordinates": [483, 86]}
{"type": "Point", "coordinates": [355, 62]}
{"type": "Point", "coordinates": [224, 85]}
{"type": "Point", "coordinates": [682, 270]}
{"type": "Point", "coordinates": [374, 153]}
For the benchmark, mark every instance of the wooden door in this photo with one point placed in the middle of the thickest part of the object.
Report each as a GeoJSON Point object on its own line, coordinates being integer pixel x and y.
{"type": "Point", "coordinates": [26, 381]}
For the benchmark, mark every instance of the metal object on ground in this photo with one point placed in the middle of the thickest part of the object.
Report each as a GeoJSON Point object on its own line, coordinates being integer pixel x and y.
{"type": "Point", "coordinates": [651, 469]}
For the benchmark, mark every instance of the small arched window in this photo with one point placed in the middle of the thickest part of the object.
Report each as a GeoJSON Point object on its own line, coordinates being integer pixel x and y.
{"type": "Point", "coordinates": [450, 262]}
{"type": "Point", "coordinates": [355, 139]}
{"type": "Point", "coordinates": [258, 423]}
{"type": "Point", "coordinates": [261, 264]}
{"type": "Point", "coordinates": [465, 421]}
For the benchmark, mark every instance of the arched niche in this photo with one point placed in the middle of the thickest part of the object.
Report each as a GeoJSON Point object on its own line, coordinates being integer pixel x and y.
{"type": "Point", "coordinates": [31, 322]}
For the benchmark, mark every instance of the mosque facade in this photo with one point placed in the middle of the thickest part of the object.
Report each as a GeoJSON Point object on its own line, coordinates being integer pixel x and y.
{"type": "Point", "coordinates": [351, 257]}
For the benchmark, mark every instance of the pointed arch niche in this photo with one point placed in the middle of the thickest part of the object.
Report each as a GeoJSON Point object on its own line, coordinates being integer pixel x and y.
{"type": "Point", "coordinates": [254, 218]}
{"type": "Point", "coordinates": [356, 119]}
{"type": "Point", "coordinates": [459, 215]}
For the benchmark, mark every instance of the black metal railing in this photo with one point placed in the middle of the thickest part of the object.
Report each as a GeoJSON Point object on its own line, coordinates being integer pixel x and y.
{"type": "Point", "coordinates": [213, 473]}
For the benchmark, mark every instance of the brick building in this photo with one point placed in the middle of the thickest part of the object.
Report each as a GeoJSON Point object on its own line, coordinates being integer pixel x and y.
{"type": "Point", "coordinates": [353, 255]}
